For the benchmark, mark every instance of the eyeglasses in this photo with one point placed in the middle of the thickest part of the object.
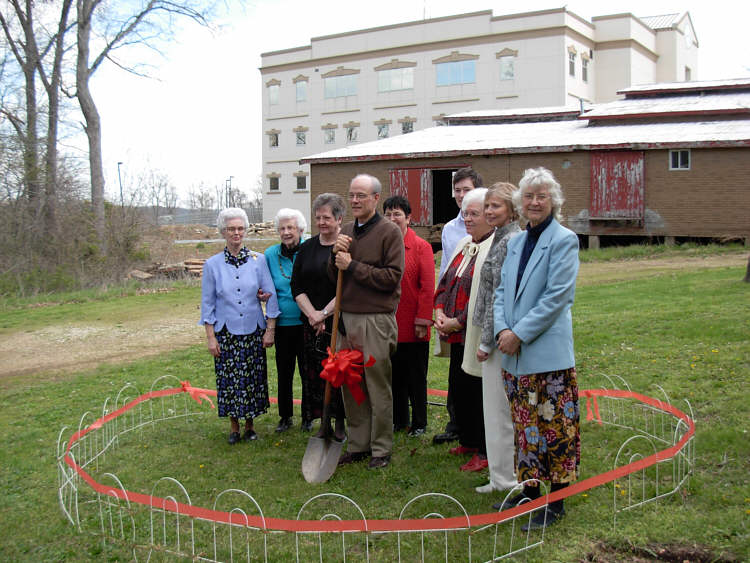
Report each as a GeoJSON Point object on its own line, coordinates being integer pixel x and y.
{"type": "Point", "coordinates": [235, 229]}
{"type": "Point", "coordinates": [358, 196]}
{"type": "Point", "coordinates": [541, 198]}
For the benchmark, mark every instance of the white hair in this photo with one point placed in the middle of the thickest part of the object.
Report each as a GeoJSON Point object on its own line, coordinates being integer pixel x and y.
{"type": "Point", "coordinates": [286, 213]}
{"type": "Point", "coordinates": [474, 196]}
{"type": "Point", "coordinates": [534, 178]}
{"type": "Point", "coordinates": [231, 213]}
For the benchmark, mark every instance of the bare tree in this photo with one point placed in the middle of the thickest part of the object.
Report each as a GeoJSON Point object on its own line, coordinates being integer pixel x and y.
{"type": "Point", "coordinates": [200, 197]}
{"type": "Point", "coordinates": [31, 59]}
{"type": "Point", "coordinates": [146, 25]}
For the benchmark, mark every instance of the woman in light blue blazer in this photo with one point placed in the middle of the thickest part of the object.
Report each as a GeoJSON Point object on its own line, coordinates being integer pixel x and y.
{"type": "Point", "coordinates": [237, 330]}
{"type": "Point", "coordinates": [534, 332]}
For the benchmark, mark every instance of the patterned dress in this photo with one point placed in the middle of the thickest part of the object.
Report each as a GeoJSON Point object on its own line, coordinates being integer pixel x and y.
{"type": "Point", "coordinates": [546, 423]}
{"type": "Point", "coordinates": [241, 372]}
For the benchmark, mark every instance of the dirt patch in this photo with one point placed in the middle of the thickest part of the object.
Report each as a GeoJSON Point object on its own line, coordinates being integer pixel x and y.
{"type": "Point", "coordinates": [609, 272]}
{"type": "Point", "coordinates": [66, 348]}
{"type": "Point", "coordinates": [604, 553]}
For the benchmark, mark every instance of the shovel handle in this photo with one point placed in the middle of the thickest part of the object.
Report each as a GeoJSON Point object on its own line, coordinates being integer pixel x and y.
{"type": "Point", "coordinates": [334, 336]}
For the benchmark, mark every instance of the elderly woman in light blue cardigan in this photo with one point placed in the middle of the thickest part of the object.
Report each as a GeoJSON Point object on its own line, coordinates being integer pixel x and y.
{"type": "Point", "coordinates": [237, 330]}
{"type": "Point", "coordinates": [534, 332]}
{"type": "Point", "coordinates": [290, 224]}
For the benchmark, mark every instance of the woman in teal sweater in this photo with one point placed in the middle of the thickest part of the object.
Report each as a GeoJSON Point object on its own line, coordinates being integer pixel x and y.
{"type": "Point", "coordinates": [290, 224]}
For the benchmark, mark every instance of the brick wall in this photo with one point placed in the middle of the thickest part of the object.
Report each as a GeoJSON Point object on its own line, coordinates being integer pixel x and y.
{"type": "Point", "coordinates": [712, 199]}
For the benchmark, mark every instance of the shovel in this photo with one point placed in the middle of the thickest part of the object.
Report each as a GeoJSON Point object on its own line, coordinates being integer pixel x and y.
{"type": "Point", "coordinates": [322, 454]}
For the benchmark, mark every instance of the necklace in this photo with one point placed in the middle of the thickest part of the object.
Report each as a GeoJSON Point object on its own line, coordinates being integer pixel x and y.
{"type": "Point", "coordinates": [281, 268]}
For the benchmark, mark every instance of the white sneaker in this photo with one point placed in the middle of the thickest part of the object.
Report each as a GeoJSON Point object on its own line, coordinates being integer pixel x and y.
{"type": "Point", "coordinates": [488, 488]}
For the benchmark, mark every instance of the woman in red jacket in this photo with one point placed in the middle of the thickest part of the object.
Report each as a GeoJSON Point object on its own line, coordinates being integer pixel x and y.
{"type": "Point", "coordinates": [414, 318]}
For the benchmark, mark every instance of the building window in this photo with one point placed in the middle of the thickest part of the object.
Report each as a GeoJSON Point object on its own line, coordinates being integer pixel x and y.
{"type": "Point", "coordinates": [679, 159]}
{"type": "Point", "coordinates": [329, 136]}
{"type": "Point", "coordinates": [352, 133]}
{"type": "Point", "coordinates": [396, 79]}
{"type": "Point", "coordinates": [273, 139]}
{"type": "Point", "coordinates": [571, 63]}
{"type": "Point", "coordinates": [301, 183]}
{"type": "Point", "coordinates": [407, 127]}
{"type": "Point", "coordinates": [584, 70]}
{"type": "Point", "coordinates": [382, 131]}
{"type": "Point", "coordinates": [688, 74]}
{"type": "Point", "coordinates": [273, 184]}
{"type": "Point", "coordinates": [339, 86]}
{"type": "Point", "coordinates": [456, 72]}
{"type": "Point", "coordinates": [273, 94]}
{"type": "Point", "coordinates": [301, 87]}
{"type": "Point", "coordinates": [301, 137]}
{"type": "Point", "coordinates": [507, 70]}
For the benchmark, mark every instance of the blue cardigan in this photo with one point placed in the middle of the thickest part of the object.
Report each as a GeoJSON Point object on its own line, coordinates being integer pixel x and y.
{"type": "Point", "coordinates": [278, 263]}
{"type": "Point", "coordinates": [229, 295]}
{"type": "Point", "coordinates": [539, 314]}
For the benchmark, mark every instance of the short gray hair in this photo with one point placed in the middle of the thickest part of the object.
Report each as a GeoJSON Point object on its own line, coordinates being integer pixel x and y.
{"type": "Point", "coordinates": [286, 213]}
{"type": "Point", "coordinates": [474, 196]}
{"type": "Point", "coordinates": [334, 201]}
{"type": "Point", "coordinates": [375, 184]}
{"type": "Point", "coordinates": [231, 213]}
{"type": "Point", "coordinates": [540, 178]}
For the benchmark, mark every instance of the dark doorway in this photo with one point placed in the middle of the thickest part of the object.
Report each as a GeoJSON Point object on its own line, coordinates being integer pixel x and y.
{"type": "Point", "coordinates": [444, 207]}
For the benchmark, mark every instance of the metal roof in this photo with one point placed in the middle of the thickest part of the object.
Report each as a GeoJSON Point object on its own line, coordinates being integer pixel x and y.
{"type": "Point", "coordinates": [528, 114]}
{"type": "Point", "coordinates": [712, 103]}
{"type": "Point", "coordinates": [554, 136]}
{"type": "Point", "coordinates": [670, 88]}
{"type": "Point", "coordinates": [664, 21]}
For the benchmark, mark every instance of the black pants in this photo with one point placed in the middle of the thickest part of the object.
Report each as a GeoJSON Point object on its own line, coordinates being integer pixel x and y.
{"type": "Point", "coordinates": [410, 384]}
{"type": "Point", "coordinates": [288, 342]}
{"type": "Point", "coordinates": [467, 399]}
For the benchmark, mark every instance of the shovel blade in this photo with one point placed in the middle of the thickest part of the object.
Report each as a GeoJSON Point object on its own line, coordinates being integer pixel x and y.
{"type": "Point", "coordinates": [320, 460]}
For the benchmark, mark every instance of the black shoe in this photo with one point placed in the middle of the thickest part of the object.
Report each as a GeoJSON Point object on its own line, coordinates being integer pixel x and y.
{"type": "Point", "coordinates": [250, 435]}
{"type": "Point", "coordinates": [542, 518]}
{"type": "Point", "coordinates": [354, 457]}
{"type": "Point", "coordinates": [444, 438]}
{"type": "Point", "coordinates": [234, 437]}
{"type": "Point", "coordinates": [284, 424]}
{"type": "Point", "coordinates": [512, 502]}
{"type": "Point", "coordinates": [379, 462]}
{"type": "Point", "coordinates": [414, 432]}
{"type": "Point", "coordinates": [306, 426]}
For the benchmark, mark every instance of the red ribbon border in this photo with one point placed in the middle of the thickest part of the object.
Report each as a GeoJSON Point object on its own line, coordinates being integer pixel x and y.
{"type": "Point", "coordinates": [457, 522]}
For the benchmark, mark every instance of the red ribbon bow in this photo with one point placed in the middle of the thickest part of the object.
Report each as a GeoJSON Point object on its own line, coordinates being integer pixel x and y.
{"type": "Point", "coordinates": [346, 367]}
{"type": "Point", "coordinates": [196, 393]}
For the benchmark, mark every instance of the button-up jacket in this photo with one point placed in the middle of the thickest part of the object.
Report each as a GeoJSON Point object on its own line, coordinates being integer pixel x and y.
{"type": "Point", "coordinates": [230, 294]}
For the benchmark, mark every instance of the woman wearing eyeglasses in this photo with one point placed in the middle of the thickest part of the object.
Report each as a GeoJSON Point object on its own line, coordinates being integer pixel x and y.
{"type": "Point", "coordinates": [534, 332]}
{"type": "Point", "coordinates": [237, 330]}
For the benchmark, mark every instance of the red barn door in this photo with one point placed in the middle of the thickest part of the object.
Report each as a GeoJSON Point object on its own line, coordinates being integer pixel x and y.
{"type": "Point", "coordinates": [617, 185]}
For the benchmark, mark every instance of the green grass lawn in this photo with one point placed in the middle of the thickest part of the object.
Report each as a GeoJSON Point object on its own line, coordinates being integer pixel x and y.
{"type": "Point", "coordinates": [687, 332]}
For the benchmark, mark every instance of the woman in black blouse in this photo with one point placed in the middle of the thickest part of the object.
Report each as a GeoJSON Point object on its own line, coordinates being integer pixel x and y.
{"type": "Point", "coordinates": [315, 295]}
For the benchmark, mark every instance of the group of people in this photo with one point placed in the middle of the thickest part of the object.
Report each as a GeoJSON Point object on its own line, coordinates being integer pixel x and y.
{"type": "Point", "coordinates": [501, 309]}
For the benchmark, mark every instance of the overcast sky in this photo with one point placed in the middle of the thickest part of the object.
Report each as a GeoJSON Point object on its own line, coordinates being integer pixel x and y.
{"type": "Point", "coordinates": [201, 120]}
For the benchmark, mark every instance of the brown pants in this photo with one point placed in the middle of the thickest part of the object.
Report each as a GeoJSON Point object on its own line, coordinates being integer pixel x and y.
{"type": "Point", "coordinates": [370, 424]}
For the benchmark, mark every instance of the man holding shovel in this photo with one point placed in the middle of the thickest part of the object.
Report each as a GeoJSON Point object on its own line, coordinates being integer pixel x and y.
{"type": "Point", "coordinates": [370, 252]}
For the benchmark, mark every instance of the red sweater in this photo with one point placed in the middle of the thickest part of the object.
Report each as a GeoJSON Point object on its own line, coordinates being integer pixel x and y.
{"type": "Point", "coordinates": [417, 288]}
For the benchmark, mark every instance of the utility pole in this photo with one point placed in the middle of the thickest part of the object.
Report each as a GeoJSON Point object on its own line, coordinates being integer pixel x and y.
{"type": "Point", "coordinates": [228, 186]}
{"type": "Point", "coordinates": [119, 177]}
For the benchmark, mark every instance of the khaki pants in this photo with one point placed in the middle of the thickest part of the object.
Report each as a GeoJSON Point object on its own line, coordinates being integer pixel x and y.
{"type": "Point", "coordinates": [370, 424]}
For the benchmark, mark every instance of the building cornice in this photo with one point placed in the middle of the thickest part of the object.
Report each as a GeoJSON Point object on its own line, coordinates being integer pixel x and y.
{"type": "Point", "coordinates": [447, 44]}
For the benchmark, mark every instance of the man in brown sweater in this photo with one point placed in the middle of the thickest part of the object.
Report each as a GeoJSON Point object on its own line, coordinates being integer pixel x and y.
{"type": "Point", "coordinates": [370, 251]}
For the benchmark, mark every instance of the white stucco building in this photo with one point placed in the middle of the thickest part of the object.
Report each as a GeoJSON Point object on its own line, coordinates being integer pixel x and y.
{"type": "Point", "coordinates": [375, 83]}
